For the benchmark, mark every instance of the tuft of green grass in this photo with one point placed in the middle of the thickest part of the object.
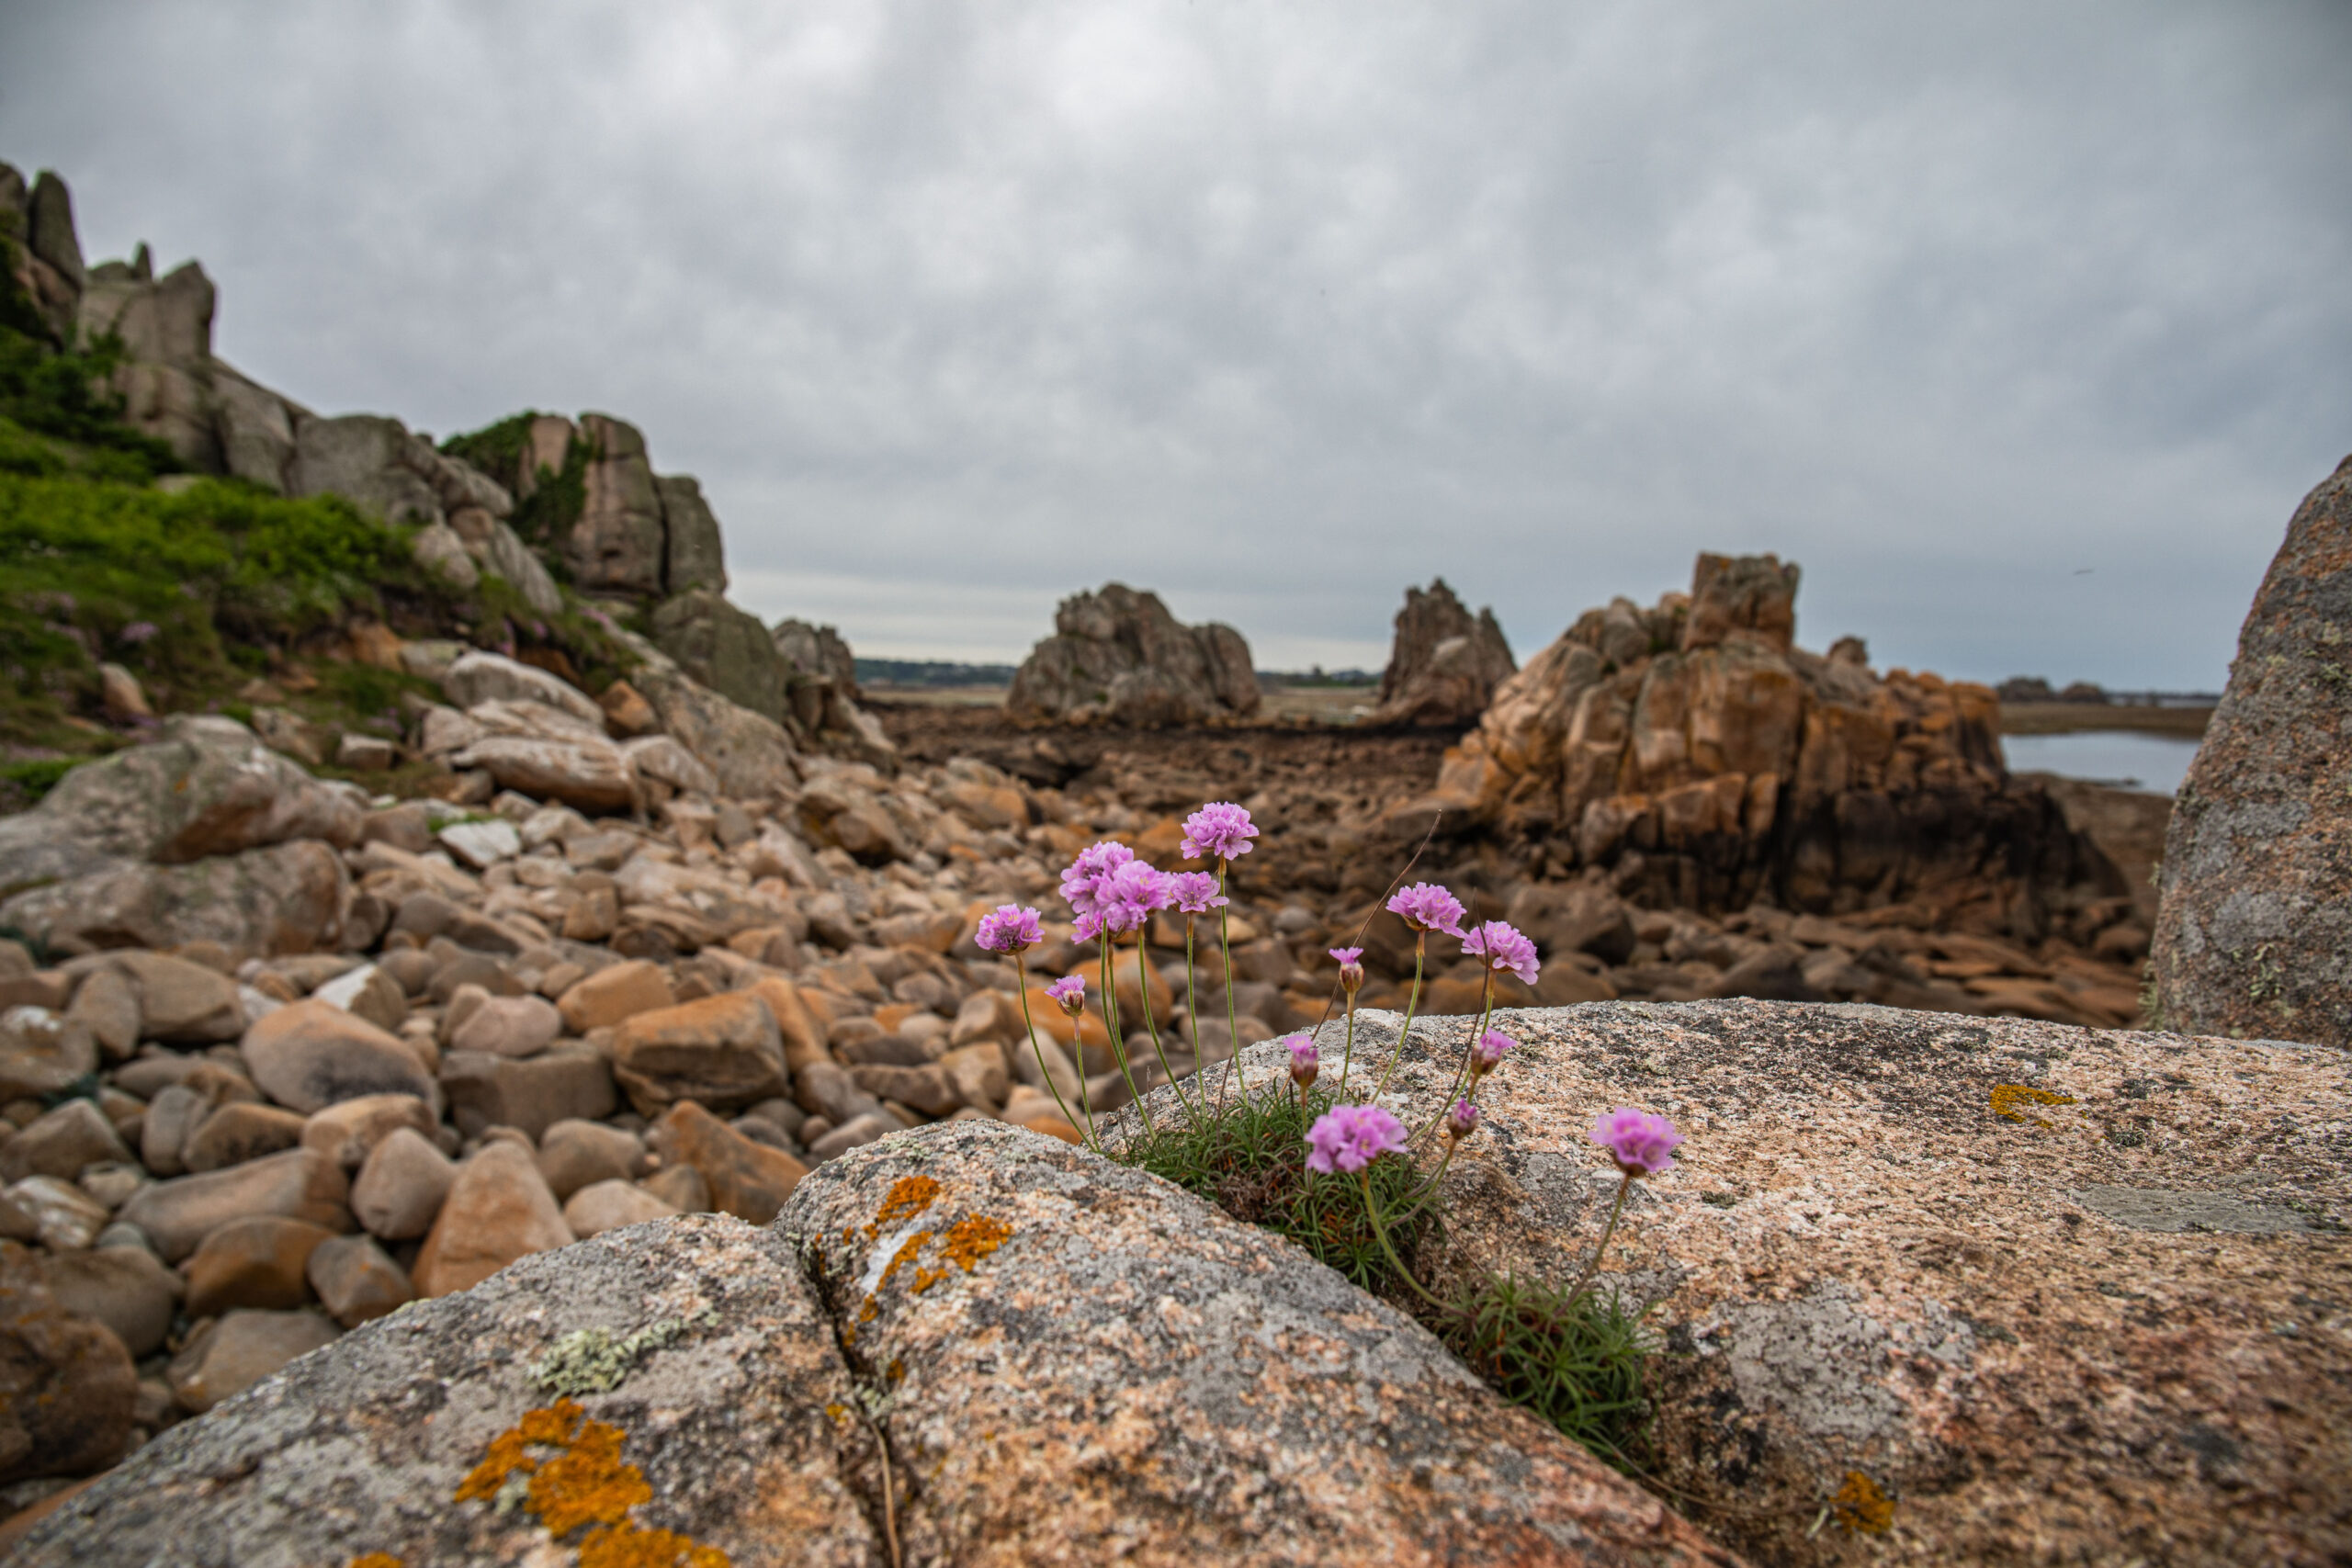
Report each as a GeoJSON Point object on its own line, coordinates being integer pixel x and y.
{"type": "Point", "coordinates": [1580, 1363]}
{"type": "Point", "coordinates": [1248, 1156]}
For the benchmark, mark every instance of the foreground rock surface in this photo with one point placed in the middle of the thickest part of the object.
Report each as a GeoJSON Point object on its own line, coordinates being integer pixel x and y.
{"type": "Point", "coordinates": [2061, 1295]}
{"type": "Point", "coordinates": [1074, 1362]}
{"type": "Point", "coordinates": [2255, 932]}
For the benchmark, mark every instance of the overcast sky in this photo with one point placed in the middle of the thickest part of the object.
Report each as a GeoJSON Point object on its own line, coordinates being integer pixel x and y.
{"type": "Point", "coordinates": [2022, 326]}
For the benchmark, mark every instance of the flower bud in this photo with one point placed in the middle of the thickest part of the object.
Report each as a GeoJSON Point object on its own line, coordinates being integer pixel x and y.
{"type": "Point", "coordinates": [1462, 1121]}
{"type": "Point", "coordinates": [1488, 1054]}
{"type": "Point", "coordinates": [1305, 1062]}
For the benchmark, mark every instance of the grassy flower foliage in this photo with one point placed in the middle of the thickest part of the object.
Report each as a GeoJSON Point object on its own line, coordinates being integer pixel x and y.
{"type": "Point", "coordinates": [1248, 1157]}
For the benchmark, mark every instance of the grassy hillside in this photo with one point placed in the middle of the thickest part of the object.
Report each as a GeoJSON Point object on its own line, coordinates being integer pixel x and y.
{"type": "Point", "coordinates": [215, 593]}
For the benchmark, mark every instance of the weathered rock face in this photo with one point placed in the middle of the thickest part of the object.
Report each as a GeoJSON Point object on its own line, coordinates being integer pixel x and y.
{"type": "Point", "coordinates": [2254, 935]}
{"type": "Point", "coordinates": [1698, 752]}
{"type": "Point", "coordinates": [1118, 657]}
{"type": "Point", "coordinates": [693, 554]}
{"type": "Point", "coordinates": [725, 648]}
{"type": "Point", "coordinates": [1007, 1341]}
{"type": "Point", "coordinates": [201, 835]}
{"type": "Point", "coordinates": [618, 545]}
{"type": "Point", "coordinates": [1444, 664]}
{"type": "Point", "coordinates": [2042, 1285]}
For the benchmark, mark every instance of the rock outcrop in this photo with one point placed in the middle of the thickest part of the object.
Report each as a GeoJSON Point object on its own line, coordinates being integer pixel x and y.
{"type": "Point", "coordinates": [1700, 755]}
{"type": "Point", "coordinates": [2042, 1286]}
{"type": "Point", "coordinates": [976, 1290]}
{"type": "Point", "coordinates": [1444, 664]}
{"type": "Point", "coordinates": [202, 835]}
{"type": "Point", "coordinates": [2253, 935]}
{"type": "Point", "coordinates": [1118, 657]}
{"type": "Point", "coordinates": [818, 653]}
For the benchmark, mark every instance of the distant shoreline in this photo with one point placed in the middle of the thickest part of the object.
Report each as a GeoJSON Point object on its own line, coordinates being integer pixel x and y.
{"type": "Point", "coordinates": [1334, 704]}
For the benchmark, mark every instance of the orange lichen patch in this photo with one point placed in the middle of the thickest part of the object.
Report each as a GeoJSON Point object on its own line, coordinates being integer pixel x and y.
{"type": "Point", "coordinates": [589, 1484]}
{"type": "Point", "coordinates": [584, 1482]}
{"type": "Point", "coordinates": [2009, 1096]}
{"type": "Point", "coordinates": [926, 1278]}
{"type": "Point", "coordinates": [633, 1546]}
{"type": "Point", "coordinates": [1860, 1505]}
{"type": "Point", "coordinates": [551, 1428]}
{"type": "Point", "coordinates": [905, 1255]}
{"type": "Point", "coordinates": [897, 1370]}
{"type": "Point", "coordinates": [908, 1196]}
{"type": "Point", "coordinates": [377, 1559]}
{"type": "Point", "coordinates": [973, 1238]}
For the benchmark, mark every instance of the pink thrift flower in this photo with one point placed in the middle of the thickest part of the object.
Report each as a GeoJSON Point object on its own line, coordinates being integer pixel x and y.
{"type": "Point", "coordinates": [1503, 946]}
{"type": "Point", "coordinates": [1642, 1145]}
{"type": "Point", "coordinates": [1008, 928]}
{"type": "Point", "coordinates": [1219, 831]}
{"type": "Point", "coordinates": [1088, 927]}
{"type": "Point", "coordinates": [1195, 891]}
{"type": "Point", "coordinates": [1426, 906]}
{"type": "Point", "coordinates": [1462, 1120]}
{"type": "Point", "coordinates": [1069, 994]}
{"type": "Point", "coordinates": [1488, 1054]}
{"type": "Point", "coordinates": [1343, 956]}
{"type": "Point", "coordinates": [1126, 897]}
{"type": "Point", "coordinates": [1350, 962]}
{"type": "Point", "coordinates": [1082, 879]}
{"type": "Point", "coordinates": [1305, 1061]}
{"type": "Point", "coordinates": [1350, 1137]}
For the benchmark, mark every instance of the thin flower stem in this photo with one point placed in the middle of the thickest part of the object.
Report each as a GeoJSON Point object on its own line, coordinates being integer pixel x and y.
{"type": "Point", "coordinates": [1110, 1018]}
{"type": "Point", "coordinates": [1624, 1185]}
{"type": "Point", "coordinates": [1192, 1005]}
{"type": "Point", "coordinates": [1427, 1189]}
{"type": "Point", "coordinates": [1021, 970]}
{"type": "Point", "coordinates": [1421, 952]}
{"type": "Point", "coordinates": [1232, 1014]}
{"type": "Point", "coordinates": [1486, 1011]}
{"type": "Point", "coordinates": [1371, 1208]}
{"type": "Point", "coordinates": [1151, 1025]}
{"type": "Point", "coordinates": [1348, 1056]}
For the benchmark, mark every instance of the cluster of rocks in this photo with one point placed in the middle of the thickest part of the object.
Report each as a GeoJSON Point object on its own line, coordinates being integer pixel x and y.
{"type": "Point", "coordinates": [1118, 657]}
{"type": "Point", "coordinates": [1694, 750]}
{"type": "Point", "coordinates": [289, 1057]}
{"type": "Point", "coordinates": [1444, 665]}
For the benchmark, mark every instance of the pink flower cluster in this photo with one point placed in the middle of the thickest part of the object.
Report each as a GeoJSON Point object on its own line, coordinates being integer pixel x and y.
{"type": "Point", "coordinates": [1110, 891]}
{"type": "Point", "coordinates": [1504, 946]}
{"type": "Point", "coordinates": [1195, 891]}
{"type": "Point", "coordinates": [1219, 831]}
{"type": "Point", "coordinates": [1426, 906]}
{"type": "Point", "coordinates": [1008, 928]}
{"type": "Point", "coordinates": [1642, 1145]}
{"type": "Point", "coordinates": [1350, 1137]}
{"type": "Point", "coordinates": [1070, 993]}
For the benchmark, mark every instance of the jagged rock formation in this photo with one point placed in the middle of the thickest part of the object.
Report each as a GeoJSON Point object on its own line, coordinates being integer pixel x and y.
{"type": "Point", "coordinates": [2028, 1278]}
{"type": "Point", "coordinates": [1118, 657]}
{"type": "Point", "coordinates": [1694, 750]}
{"type": "Point", "coordinates": [733, 1413]}
{"type": "Point", "coordinates": [2254, 935]}
{"type": "Point", "coordinates": [1444, 665]}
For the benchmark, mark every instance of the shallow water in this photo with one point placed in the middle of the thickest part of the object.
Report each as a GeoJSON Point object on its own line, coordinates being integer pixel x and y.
{"type": "Point", "coordinates": [2120, 757]}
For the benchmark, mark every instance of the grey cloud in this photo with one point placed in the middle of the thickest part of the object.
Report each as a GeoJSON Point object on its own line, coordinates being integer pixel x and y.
{"type": "Point", "coordinates": [957, 308]}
